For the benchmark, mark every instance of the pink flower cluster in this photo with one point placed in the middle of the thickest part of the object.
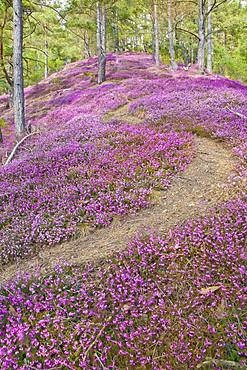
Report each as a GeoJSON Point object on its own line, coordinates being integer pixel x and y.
{"type": "Point", "coordinates": [166, 303]}
{"type": "Point", "coordinates": [86, 173]}
{"type": "Point", "coordinates": [80, 170]}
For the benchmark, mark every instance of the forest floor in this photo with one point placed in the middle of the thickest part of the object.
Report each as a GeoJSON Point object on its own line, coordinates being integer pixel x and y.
{"type": "Point", "coordinates": [191, 193]}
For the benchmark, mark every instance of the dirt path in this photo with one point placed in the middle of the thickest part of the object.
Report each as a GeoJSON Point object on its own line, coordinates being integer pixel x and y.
{"type": "Point", "coordinates": [191, 193]}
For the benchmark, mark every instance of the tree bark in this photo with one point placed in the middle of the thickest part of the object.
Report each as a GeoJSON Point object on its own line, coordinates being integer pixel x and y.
{"type": "Point", "coordinates": [115, 30]}
{"type": "Point", "coordinates": [86, 44]}
{"type": "Point", "coordinates": [185, 54]}
{"type": "Point", "coordinates": [153, 40]}
{"type": "Point", "coordinates": [101, 41]}
{"type": "Point", "coordinates": [170, 37]}
{"type": "Point", "coordinates": [156, 35]}
{"type": "Point", "coordinates": [225, 39]}
{"type": "Point", "coordinates": [201, 36]}
{"type": "Point", "coordinates": [18, 100]}
{"type": "Point", "coordinates": [46, 72]}
{"type": "Point", "coordinates": [210, 40]}
{"type": "Point", "coordinates": [6, 70]}
{"type": "Point", "coordinates": [11, 98]}
{"type": "Point", "coordinates": [103, 27]}
{"type": "Point", "coordinates": [98, 27]}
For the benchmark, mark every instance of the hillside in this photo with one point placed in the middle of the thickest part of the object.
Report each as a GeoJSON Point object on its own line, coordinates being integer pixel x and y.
{"type": "Point", "coordinates": [150, 151]}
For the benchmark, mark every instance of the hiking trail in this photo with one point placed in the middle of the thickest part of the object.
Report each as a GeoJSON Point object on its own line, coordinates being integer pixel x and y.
{"type": "Point", "coordinates": [192, 192]}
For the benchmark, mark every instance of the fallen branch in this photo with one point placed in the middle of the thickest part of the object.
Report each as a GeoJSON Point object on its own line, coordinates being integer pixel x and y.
{"type": "Point", "coordinates": [12, 154]}
{"type": "Point", "coordinates": [222, 363]}
{"type": "Point", "coordinates": [237, 113]}
{"type": "Point", "coordinates": [96, 338]}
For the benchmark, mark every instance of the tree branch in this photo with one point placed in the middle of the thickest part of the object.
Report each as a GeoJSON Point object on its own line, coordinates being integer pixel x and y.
{"type": "Point", "coordinates": [191, 33]}
{"type": "Point", "coordinates": [12, 154]}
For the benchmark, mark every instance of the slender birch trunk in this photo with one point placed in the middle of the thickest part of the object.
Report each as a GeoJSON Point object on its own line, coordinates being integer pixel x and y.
{"type": "Point", "coordinates": [101, 41]}
{"type": "Point", "coordinates": [18, 99]}
{"type": "Point", "coordinates": [170, 37]}
{"type": "Point", "coordinates": [201, 35]}
{"type": "Point", "coordinates": [103, 27]}
{"type": "Point", "coordinates": [156, 35]}
{"type": "Point", "coordinates": [210, 40]}
{"type": "Point", "coordinates": [98, 27]}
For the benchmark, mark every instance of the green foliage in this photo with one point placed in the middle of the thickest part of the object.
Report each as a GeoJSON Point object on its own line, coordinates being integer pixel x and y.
{"type": "Point", "coordinates": [2, 123]}
{"type": "Point", "coordinates": [66, 32]}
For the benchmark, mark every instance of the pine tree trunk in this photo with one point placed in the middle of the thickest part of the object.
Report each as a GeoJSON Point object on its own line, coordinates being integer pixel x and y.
{"type": "Point", "coordinates": [115, 30]}
{"type": "Point", "coordinates": [153, 40]}
{"type": "Point", "coordinates": [18, 89]}
{"type": "Point", "coordinates": [201, 35]}
{"type": "Point", "coordinates": [210, 40]}
{"type": "Point", "coordinates": [86, 44]}
{"type": "Point", "coordinates": [185, 54]}
{"type": "Point", "coordinates": [156, 35]}
{"type": "Point", "coordinates": [225, 39]}
{"type": "Point", "coordinates": [170, 36]}
{"type": "Point", "coordinates": [46, 73]}
{"type": "Point", "coordinates": [101, 41]}
{"type": "Point", "coordinates": [11, 97]}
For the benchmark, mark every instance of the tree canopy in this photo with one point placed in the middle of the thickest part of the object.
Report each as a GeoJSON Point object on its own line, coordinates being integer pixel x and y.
{"type": "Point", "coordinates": [57, 32]}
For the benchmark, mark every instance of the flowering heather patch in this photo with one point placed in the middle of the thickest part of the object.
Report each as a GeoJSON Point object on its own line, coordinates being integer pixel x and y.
{"type": "Point", "coordinates": [86, 174]}
{"type": "Point", "coordinates": [164, 304]}
{"type": "Point", "coordinates": [78, 164]}
{"type": "Point", "coordinates": [81, 171]}
{"type": "Point", "coordinates": [200, 105]}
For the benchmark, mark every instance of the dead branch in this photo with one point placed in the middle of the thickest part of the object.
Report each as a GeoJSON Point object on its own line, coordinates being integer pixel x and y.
{"type": "Point", "coordinates": [222, 363]}
{"type": "Point", "coordinates": [237, 113]}
{"type": "Point", "coordinates": [97, 337]}
{"type": "Point", "coordinates": [12, 154]}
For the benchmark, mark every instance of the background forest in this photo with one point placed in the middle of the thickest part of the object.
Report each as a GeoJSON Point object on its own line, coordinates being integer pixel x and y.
{"type": "Point", "coordinates": [63, 31]}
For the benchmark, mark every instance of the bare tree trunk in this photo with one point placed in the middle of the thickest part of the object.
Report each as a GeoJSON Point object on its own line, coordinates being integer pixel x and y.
{"type": "Point", "coordinates": [98, 27]}
{"type": "Point", "coordinates": [153, 40]}
{"type": "Point", "coordinates": [103, 27]}
{"type": "Point", "coordinates": [185, 54]}
{"type": "Point", "coordinates": [9, 71]}
{"type": "Point", "coordinates": [170, 36]}
{"type": "Point", "coordinates": [101, 41]}
{"type": "Point", "coordinates": [46, 73]}
{"type": "Point", "coordinates": [201, 35]}
{"type": "Point", "coordinates": [115, 30]}
{"type": "Point", "coordinates": [6, 70]}
{"type": "Point", "coordinates": [210, 40]}
{"type": "Point", "coordinates": [18, 101]}
{"type": "Point", "coordinates": [11, 97]}
{"type": "Point", "coordinates": [156, 35]}
{"type": "Point", "coordinates": [225, 39]}
{"type": "Point", "coordinates": [86, 44]}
